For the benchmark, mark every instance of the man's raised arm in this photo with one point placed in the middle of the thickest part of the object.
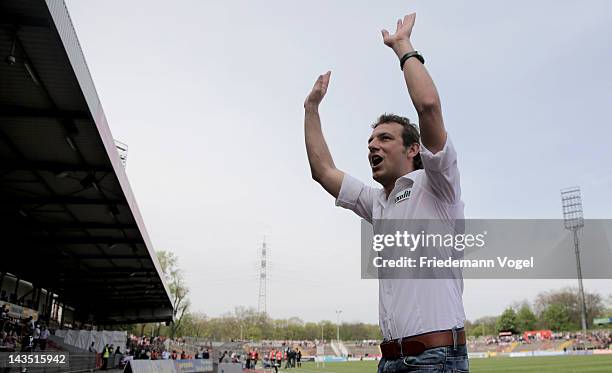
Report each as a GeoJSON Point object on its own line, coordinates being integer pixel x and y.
{"type": "Point", "coordinates": [322, 165]}
{"type": "Point", "coordinates": [420, 86]}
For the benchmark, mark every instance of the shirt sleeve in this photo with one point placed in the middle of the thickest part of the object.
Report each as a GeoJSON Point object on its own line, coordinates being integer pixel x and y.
{"type": "Point", "coordinates": [357, 197]}
{"type": "Point", "coordinates": [442, 172]}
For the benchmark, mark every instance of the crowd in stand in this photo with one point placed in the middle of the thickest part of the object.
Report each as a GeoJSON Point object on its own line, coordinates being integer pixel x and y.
{"type": "Point", "coordinates": [599, 339]}
{"type": "Point", "coordinates": [145, 348]}
{"type": "Point", "coordinates": [300, 343]}
{"type": "Point", "coordinates": [367, 342]}
{"type": "Point", "coordinates": [23, 335]}
{"type": "Point", "coordinates": [596, 339]}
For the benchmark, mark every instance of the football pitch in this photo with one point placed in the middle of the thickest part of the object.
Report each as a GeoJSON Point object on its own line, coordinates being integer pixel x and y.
{"type": "Point", "coordinates": [590, 363]}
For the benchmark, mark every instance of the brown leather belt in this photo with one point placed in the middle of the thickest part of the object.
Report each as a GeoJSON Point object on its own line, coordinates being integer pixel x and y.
{"type": "Point", "coordinates": [415, 345]}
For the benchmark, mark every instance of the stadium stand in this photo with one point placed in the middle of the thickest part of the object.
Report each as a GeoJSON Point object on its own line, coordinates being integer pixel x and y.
{"type": "Point", "coordinates": [64, 196]}
{"type": "Point", "coordinates": [363, 349]}
{"type": "Point", "coordinates": [601, 339]}
{"type": "Point", "coordinates": [76, 250]}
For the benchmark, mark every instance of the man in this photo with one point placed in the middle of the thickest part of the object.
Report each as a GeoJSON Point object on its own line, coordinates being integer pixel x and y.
{"type": "Point", "coordinates": [222, 356]}
{"type": "Point", "coordinates": [44, 336]}
{"type": "Point", "coordinates": [421, 319]}
{"type": "Point", "coordinates": [30, 325]}
{"type": "Point", "coordinates": [271, 357]}
{"type": "Point", "coordinates": [286, 357]}
{"type": "Point", "coordinates": [279, 358]}
{"type": "Point", "coordinates": [35, 336]}
{"type": "Point", "coordinates": [255, 358]}
{"type": "Point", "coordinates": [4, 317]}
{"type": "Point", "coordinates": [105, 356]}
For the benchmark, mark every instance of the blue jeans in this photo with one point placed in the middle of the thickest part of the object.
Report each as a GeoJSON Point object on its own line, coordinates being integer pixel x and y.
{"type": "Point", "coordinates": [434, 360]}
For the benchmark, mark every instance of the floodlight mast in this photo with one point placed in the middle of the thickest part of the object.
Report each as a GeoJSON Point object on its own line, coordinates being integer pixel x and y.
{"type": "Point", "coordinates": [573, 218]}
{"type": "Point", "coordinates": [262, 305]}
{"type": "Point", "coordinates": [338, 312]}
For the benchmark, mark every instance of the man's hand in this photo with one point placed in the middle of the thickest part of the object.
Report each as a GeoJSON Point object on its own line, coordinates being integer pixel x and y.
{"type": "Point", "coordinates": [421, 87]}
{"type": "Point", "coordinates": [400, 40]}
{"type": "Point", "coordinates": [322, 167]}
{"type": "Point", "coordinates": [318, 91]}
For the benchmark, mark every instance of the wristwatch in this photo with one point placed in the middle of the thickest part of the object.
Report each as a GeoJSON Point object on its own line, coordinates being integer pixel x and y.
{"type": "Point", "coordinates": [406, 56]}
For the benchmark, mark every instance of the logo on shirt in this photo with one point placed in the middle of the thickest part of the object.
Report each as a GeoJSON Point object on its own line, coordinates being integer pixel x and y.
{"type": "Point", "coordinates": [401, 196]}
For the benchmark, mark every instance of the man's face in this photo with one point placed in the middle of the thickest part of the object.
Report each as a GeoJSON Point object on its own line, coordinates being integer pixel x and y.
{"type": "Point", "coordinates": [388, 157]}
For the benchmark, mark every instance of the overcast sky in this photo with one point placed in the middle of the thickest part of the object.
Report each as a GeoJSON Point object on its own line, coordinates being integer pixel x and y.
{"type": "Point", "coordinates": [208, 96]}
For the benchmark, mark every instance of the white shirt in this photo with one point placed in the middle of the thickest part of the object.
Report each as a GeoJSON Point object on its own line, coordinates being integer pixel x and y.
{"type": "Point", "coordinates": [414, 306]}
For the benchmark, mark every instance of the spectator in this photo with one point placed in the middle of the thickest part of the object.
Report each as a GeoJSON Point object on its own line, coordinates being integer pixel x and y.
{"type": "Point", "coordinates": [105, 356]}
{"type": "Point", "coordinates": [30, 326]}
{"type": "Point", "coordinates": [4, 317]}
{"type": "Point", "coordinates": [222, 356]}
{"type": "Point", "coordinates": [44, 336]}
{"type": "Point", "coordinates": [279, 358]}
{"type": "Point", "coordinates": [35, 336]}
{"type": "Point", "coordinates": [8, 341]}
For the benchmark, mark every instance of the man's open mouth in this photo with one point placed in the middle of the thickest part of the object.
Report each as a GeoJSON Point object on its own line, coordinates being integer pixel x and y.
{"type": "Point", "coordinates": [375, 160]}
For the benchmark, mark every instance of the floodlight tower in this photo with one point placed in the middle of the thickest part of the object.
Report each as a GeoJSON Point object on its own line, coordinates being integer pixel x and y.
{"type": "Point", "coordinates": [573, 218]}
{"type": "Point", "coordinates": [338, 312]}
{"type": "Point", "coordinates": [263, 279]}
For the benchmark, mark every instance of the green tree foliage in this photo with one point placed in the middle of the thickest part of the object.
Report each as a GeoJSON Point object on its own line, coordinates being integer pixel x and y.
{"type": "Point", "coordinates": [568, 298]}
{"type": "Point", "coordinates": [178, 289]}
{"type": "Point", "coordinates": [556, 310]}
{"type": "Point", "coordinates": [507, 321]}
{"type": "Point", "coordinates": [483, 326]}
{"type": "Point", "coordinates": [525, 319]}
{"type": "Point", "coordinates": [555, 317]}
{"type": "Point", "coordinates": [247, 324]}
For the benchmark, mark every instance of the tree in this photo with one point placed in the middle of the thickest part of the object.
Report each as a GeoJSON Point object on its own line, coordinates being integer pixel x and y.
{"type": "Point", "coordinates": [483, 326]}
{"type": "Point", "coordinates": [569, 299]}
{"type": "Point", "coordinates": [178, 289]}
{"type": "Point", "coordinates": [526, 319]}
{"type": "Point", "coordinates": [507, 321]}
{"type": "Point", "coordinates": [556, 318]}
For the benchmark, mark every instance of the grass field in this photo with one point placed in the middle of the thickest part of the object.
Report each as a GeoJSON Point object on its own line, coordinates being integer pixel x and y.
{"type": "Point", "coordinates": [593, 363]}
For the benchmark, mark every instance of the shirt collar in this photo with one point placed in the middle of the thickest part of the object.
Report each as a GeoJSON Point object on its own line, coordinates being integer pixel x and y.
{"type": "Point", "coordinates": [409, 178]}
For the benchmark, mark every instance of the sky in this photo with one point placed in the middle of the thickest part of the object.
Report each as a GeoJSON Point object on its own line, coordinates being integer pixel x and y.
{"type": "Point", "coordinates": [209, 98]}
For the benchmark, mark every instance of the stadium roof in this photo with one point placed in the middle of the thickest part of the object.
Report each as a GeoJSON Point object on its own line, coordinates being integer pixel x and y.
{"type": "Point", "coordinates": [70, 222]}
